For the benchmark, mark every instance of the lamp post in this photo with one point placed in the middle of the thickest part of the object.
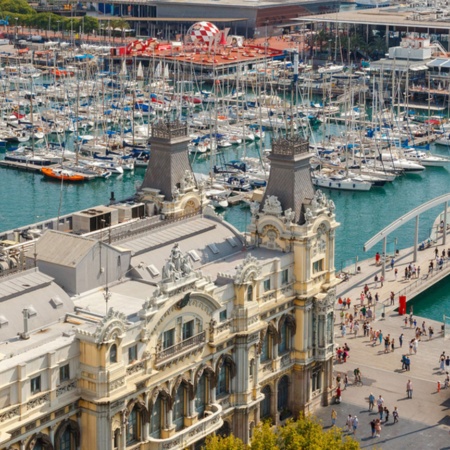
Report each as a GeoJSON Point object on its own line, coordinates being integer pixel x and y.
{"type": "Point", "coordinates": [16, 19]}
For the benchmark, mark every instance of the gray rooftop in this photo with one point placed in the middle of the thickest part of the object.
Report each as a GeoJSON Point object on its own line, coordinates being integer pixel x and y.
{"type": "Point", "coordinates": [62, 248]}
{"type": "Point", "coordinates": [205, 239]}
{"type": "Point", "coordinates": [46, 301]}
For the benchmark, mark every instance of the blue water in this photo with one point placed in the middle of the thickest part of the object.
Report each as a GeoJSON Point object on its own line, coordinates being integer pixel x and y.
{"type": "Point", "coordinates": [28, 197]}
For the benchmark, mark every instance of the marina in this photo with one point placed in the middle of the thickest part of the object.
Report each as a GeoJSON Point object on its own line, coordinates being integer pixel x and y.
{"type": "Point", "coordinates": [229, 93]}
{"type": "Point", "coordinates": [189, 218]}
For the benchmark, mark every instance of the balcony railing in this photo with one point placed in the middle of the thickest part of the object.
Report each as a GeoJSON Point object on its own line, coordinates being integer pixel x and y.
{"type": "Point", "coordinates": [190, 435]}
{"type": "Point", "coordinates": [193, 341]}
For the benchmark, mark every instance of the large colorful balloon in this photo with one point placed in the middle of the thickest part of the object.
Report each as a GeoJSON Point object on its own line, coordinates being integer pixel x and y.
{"type": "Point", "coordinates": [203, 32]}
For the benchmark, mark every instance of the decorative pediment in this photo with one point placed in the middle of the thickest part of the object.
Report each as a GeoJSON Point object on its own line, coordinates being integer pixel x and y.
{"type": "Point", "coordinates": [113, 326]}
{"type": "Point", "coordinates": [249, 270]}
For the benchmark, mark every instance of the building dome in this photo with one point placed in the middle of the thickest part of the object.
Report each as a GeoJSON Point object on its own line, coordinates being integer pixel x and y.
{"type": "Point", "coordinates": [202, 32]}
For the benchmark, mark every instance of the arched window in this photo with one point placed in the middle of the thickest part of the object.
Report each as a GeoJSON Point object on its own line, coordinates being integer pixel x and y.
{"type": "Point", "coordinates": [222, 381]}
{"type": "Point", "coordinates": [225, 429]}
{"type": "Point", "coordinates": [285, 338]}
{"type": "Point", "coordinates": [65, 441]}
{"type": "Point", "coordinates": [116, 438]}
{"type": "Point", "coordinates": [201, 397]}
{"type": "Point", "coordinates": [264, 412]}
{"type": "Point", "coordinates": [67, 436]}
{"type": "Point", "coordinates": [250, 293]}
{"type": "Point", "coordinates": [265, 349]}
{"type": "Point", "coordinates": [113, 354]}
{"type": "Point", "coordinates": [133, 426]}
{"type": "Point", "coordinates": [156, 419]}
{"type": "Point", "coordinates": [179, 408]}
{"type": "Point", "coordinates": [283, 392]}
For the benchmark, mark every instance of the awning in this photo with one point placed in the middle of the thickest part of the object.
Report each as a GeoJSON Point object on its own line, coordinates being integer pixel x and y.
{"type": "Point", "coordinates": [417, 68]}
{"type": "Point", "coordinates": [437, 62]}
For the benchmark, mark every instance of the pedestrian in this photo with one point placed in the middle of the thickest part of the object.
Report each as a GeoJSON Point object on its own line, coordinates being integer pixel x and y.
{"type": "Point", "coordinates": [424, 328]}
{"type": "Point", "coordinates": [375, 279]}
{"type": "Point", "coordinates": [392, 345]}
{"type": "Point", "coordinates": [411, 345]}
{"type": "Point", "coordinates": [355, 424]}
{"type": "Point", "coordinates": [436, 251]}
{"type": "Point", "coordinates": [442, 363]}
{"type": "Point", "coordinates": [395, 414]}
{"type": "Point", "coordinates": [343, 330]}
{"type": "Point", "coordinates": [447, 361]}
{"type": "Point", "coordinates": [400, 340]}
{"type": "Point", "coordinates": [409, 389]}
{"type": "Point", "coordinates": [349, 423]}
{"type": "Point", "coordinates": [415, 323]}
{"type": "Point", "coordinates": [333, 417]}
{"type": "Point", "coordinates": [411, 321]}
{"type": "Point", "coordinates": [338, 395]}
{"type": "Point", "coordinates": [415, 345]}
{"type": "Point", "coordinates": [380, 337]}
{"type": "Point", "coordinates": [392, 263]}
{"type": "Point", "coordinates": [418, 271]}
{"type": "Point", "coordinates": [392, 297]}
{"type": "Point", "coordinates": [406, 321]}
{"type": "Point", "coordinates": [345, 381]}
{"type": "Point", "coordinates": [372, 426]}
{"type": "Point", "coordinates": [371, 401]}
{"type": "Point", "coordinates": [381, 280]}
{"type": "Point", "coordinates": [430, 332]}
{"type": "Point", "coordinates": [380, 403]}
{"type": "Point", "coordinates": [386, 414]}
{"type": "Point", "coordinates": [386, 344]}
{"type": "Point", "coordinates": [378, 428]}
{"type": "Point", "coordinates": [395, 273]}
{"type": "Point", "coordinates": [348, 302]}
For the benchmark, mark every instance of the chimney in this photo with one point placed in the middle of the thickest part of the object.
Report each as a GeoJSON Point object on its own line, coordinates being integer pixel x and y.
{"type": "Point", "coordinates": [26, 316]}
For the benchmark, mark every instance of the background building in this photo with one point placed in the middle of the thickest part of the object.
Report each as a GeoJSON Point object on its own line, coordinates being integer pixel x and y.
{"type": "Point", "coordinates": [203, 332]}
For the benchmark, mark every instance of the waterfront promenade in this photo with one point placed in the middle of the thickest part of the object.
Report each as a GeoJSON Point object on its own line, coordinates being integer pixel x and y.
{"type": "Point", "coordinates": [425, 419]}
{"type": "Point", "coordinates": [353, 287]}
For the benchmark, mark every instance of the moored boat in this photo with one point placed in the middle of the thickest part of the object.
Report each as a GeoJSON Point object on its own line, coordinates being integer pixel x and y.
{"type": "Point", "coordinates": [63, 174]}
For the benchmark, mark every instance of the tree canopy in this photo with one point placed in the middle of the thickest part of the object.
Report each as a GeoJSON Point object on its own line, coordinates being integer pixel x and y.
{"type": "Point", "coordinates": [306, 433]}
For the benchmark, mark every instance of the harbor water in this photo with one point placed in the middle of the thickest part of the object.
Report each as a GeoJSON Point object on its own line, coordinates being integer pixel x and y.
{"type": "Point", "coordinates": [28, 197]}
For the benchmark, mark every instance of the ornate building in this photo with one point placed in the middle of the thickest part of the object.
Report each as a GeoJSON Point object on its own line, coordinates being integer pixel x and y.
{"type": "Point", "coordinates": [204, 332]}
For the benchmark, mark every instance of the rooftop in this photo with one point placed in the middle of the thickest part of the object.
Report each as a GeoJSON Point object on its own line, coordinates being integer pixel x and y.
{"type": "Point", "coordinates": [395, 16]}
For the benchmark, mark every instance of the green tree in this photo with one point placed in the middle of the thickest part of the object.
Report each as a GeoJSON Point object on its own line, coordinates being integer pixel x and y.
{"type": "Point", "coordinates": [305, 433]}
{"type": "Point", "coordinates": [90, 24]}
{"type": "Point", "coordinates": [15, 6]}
{"type": "Point", "coordinates": [264, 438]}
{"type": "Point", "coordinates": [224, 443]}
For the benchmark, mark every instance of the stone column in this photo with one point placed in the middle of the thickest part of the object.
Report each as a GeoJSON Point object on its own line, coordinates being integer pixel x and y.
{"type": "Point", "coordinates": [169, 418]}
{"type": "Point", "coordinates": [307, 261]}
{"type": "Point", "coordinates": [191, 407]}
{"type": "Point", "coordinates": [123, 431]}
{"type": "Point", "coordinates": [332, 235]}
{"type": "Point", "coordinates": [212, 394]}
{"type": "Point", "coordinates": [146, 427]}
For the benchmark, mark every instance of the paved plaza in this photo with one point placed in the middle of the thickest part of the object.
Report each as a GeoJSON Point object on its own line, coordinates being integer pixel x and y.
{"type": "Point", "coordinates": [424, 420]}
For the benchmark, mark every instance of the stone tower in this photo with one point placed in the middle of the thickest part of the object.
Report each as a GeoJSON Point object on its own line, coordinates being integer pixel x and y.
{"type": "Point", "coordinates": [290, 179]}
{"type": "Point", "coordinates": [294, 219]}
{"type": "Point", "coordinates": [169, 186]}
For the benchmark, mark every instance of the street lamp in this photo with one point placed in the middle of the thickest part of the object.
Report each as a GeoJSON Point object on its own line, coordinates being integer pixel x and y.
{"type": "Point", "coordinates": [16, 19]}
